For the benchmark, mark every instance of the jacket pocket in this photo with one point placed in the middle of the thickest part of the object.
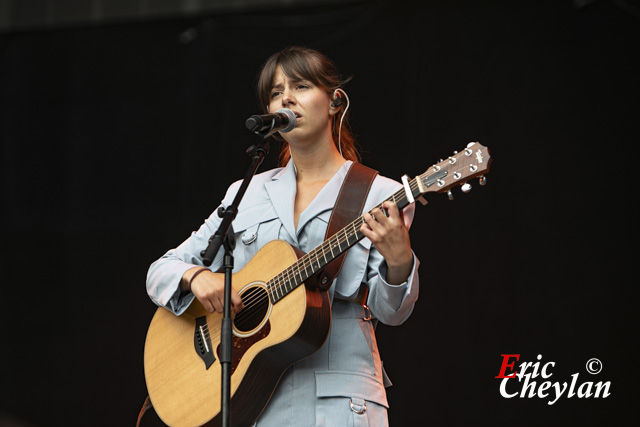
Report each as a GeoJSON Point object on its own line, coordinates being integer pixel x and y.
{"type": "Point", "coordinates": [350, 399]}
{"type": "Point", "coordinates": [253, 228]}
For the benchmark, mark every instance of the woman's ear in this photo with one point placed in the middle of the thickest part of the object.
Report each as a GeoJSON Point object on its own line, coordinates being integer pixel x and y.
{"type": "Point", "coordinates": [337, 99]}
{"type": "Point", "coordinates": [336, 102]}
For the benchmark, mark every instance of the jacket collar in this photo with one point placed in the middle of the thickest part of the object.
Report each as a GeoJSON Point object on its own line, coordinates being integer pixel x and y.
{"type": "Point", "coordinates": [282, 192]}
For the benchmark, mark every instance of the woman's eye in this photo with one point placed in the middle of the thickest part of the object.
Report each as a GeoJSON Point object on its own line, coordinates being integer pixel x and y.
{"type": "Point", "coordinates": [274, 94]}
{"type": "Point", "coordinates": [302, 86]}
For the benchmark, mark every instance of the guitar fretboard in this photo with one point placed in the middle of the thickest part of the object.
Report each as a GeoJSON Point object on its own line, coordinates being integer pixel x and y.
{"type": "Point", "coordinates": [330, 249]}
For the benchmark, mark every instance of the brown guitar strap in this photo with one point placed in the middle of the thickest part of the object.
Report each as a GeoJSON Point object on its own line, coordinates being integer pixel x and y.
{"type": "Point", "coordinates": [145, 407]}
{"type": "Point", "coordinates": [347, 209]}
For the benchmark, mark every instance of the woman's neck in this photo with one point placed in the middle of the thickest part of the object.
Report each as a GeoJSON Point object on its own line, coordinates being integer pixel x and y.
{"type": "Point", "coordinates": [318, 162]}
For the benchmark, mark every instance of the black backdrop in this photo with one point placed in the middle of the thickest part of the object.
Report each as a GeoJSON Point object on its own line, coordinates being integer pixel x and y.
{"type": "Point", "coordinates": [117, 141]}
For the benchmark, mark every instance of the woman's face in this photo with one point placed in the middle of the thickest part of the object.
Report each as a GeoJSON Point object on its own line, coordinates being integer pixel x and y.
{"type": "Point", "coordinates": [310, 103]}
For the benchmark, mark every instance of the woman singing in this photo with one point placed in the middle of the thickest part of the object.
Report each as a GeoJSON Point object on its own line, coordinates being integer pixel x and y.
{"type": "Point", "coordinates": [342, 383]}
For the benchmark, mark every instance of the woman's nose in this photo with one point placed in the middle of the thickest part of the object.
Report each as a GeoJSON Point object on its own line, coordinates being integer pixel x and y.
{"type": "Point", "coordinates": [287, 98]}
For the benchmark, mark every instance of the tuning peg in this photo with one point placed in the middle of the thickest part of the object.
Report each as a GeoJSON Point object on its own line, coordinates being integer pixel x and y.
{"type": "Point", "coordinates": [450, 194]}
{"type": "Point", "coordinates": [466, 187]}
{"type": "Point", "coordinates": [483, 180]}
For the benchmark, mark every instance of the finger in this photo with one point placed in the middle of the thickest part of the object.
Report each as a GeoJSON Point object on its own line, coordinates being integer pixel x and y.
{"type": "Point", "coordinates": [236, 302]}
{"type": "Point", "coordinates": [217, 304]}
{"type": "Point", "coordinates": [368, 233]}
{"type": "Point", "coordinates": [392, 209]}
{"type": "Point", "coordinates": [381, 220]}
{"type": "Point", "coordinates": [371, 220]}
{"type": "Point", "coordinates": [208, 306]}
{"type": "Point", "coordinates": [396, 218]}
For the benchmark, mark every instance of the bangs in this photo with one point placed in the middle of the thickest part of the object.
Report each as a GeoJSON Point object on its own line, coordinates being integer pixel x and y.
{"type": "Point", "coordinates": [299, 67]}
{"type": "Point", "coordinates": [297, 64]}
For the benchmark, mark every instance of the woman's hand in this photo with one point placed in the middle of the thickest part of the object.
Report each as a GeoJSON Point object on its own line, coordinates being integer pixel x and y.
{"type": "Point", "coordinates": [208, 287]}
{"type": "Point", "coordinates": [390, 236]}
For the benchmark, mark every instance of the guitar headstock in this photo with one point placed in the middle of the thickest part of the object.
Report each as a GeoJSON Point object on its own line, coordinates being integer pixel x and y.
{"type": "Point", "coordinates": [457, 169]}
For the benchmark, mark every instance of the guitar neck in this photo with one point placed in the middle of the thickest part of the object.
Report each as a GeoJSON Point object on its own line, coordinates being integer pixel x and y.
{"type": "Point", "coordinates": [330, 249]}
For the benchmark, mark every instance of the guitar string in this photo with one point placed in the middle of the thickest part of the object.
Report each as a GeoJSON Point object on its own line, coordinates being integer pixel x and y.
{"type": "Point", "coordinates": [307, 262]}
{"type": "Point", "coordinates": [280, 281]}
{"type": "Point", "coordinates": [252, 303]}
{"type": "Point", "coordinates": [284, 279]}
{"type": "Point", "coordinates": [337, 239]}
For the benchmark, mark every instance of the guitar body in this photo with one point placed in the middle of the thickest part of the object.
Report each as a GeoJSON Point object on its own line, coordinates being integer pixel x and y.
{"type": "Point", "coordinates": [181, 359]}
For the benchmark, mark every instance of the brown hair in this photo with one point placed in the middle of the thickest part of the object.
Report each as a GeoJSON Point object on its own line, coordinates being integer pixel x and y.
{"type": "Point", "coordinates": [308, 64]}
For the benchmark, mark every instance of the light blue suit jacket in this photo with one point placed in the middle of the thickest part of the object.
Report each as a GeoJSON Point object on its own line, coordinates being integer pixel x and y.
{"type": "Point", "coordinates": [346, 371]}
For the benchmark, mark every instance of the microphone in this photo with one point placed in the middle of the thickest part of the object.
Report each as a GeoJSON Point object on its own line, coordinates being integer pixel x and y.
{"type": "Point", "coordinates": [284, 120]}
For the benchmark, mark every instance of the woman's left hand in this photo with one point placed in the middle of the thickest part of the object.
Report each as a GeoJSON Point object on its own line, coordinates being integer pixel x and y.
{"type": "Point", "coordinates": [390, 236]}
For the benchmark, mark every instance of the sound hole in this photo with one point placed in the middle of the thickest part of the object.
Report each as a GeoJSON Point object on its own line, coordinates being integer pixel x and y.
{"type": "Point", "coordinates": [256, 308]}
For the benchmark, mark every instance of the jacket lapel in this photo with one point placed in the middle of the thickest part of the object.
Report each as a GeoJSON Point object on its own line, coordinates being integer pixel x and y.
{"type": "Point", "coordinates": [282, 192]}
{"type": "Point", "coordinates": [326, 198]}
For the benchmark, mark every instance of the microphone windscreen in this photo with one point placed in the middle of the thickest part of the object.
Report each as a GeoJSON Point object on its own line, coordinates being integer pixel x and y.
{"type": "Point", "coordinates": [291, 122]}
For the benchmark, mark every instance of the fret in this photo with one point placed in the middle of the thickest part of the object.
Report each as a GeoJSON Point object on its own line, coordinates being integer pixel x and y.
{"type": "Point", "coordinates": [291, 278]}
{"type": "Point", "coordinates": [282, 286]}
{"type": "Point", "coordinates": [311, 265]}
{"type": "Point", "coordinates": [274, 288]}
{"type": "Point", "coordinates": [291, 275]}
{"type": "Point", "coordinates": [305, 264]}
{"type": "Point", "coordinates": [286, 277]}
{"type": "Point", "coordinates": [299, 275]}
{"type": "Point", "coordinates": [270, 290]}
{"type": "Point", "coordinates": [286, 281]}
{"type": "Point", "coordinates": [276, 285]}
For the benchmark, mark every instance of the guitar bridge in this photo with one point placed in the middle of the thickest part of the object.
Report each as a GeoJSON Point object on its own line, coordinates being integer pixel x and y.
{"type": "Point", "coordinates": [202, 342]}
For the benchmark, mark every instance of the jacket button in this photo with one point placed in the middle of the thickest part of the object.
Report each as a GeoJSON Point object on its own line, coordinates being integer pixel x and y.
{"type": "Point", "coordinates": [248, 239]}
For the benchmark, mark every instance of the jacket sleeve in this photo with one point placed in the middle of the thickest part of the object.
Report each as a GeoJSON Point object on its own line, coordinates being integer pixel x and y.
{"type": "Point", "coordinates": [164, 275]}
{"type": "Point", "coordinates": [391, 304]}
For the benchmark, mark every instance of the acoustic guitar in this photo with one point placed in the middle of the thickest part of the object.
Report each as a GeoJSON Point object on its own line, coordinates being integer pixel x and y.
{"type": "Point", "coordinates": [281, 324]}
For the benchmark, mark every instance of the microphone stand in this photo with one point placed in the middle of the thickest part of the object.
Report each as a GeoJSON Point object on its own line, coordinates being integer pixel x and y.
{"type": "Point", "coordinates": [224, 236]}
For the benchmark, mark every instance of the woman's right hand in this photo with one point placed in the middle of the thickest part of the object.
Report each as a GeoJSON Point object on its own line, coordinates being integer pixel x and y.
{"type": "Point", "coordinates": [208, 287]}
